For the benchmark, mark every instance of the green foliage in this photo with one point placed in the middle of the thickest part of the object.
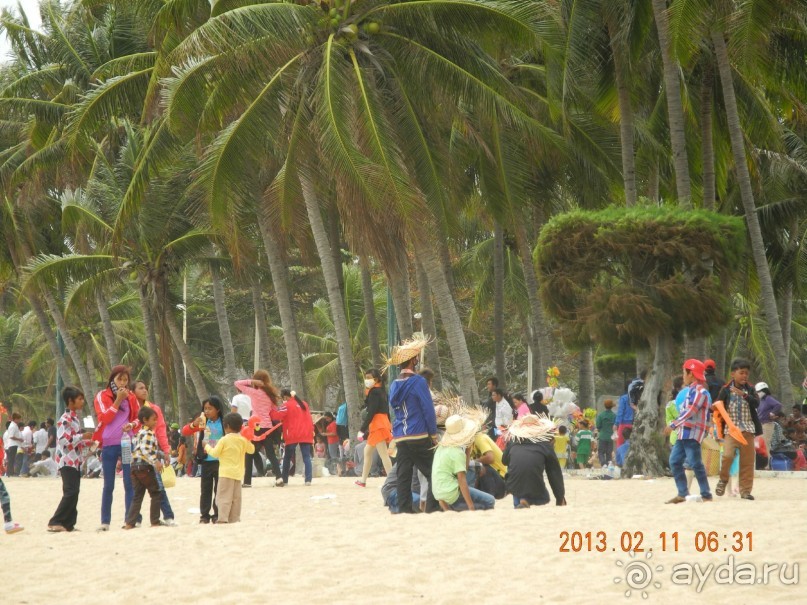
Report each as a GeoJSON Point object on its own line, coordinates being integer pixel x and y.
{"type": "Point", "coordinates": [620, 276]}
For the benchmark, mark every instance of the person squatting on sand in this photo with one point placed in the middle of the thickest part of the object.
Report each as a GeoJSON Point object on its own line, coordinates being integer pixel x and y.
{"type": "Point", "coordinates": [529, 453]}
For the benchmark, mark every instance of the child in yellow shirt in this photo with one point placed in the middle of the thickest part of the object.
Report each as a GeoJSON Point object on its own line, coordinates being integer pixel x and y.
{"type": "Point", "coordinates": [230, 451]}
{"type": "Point", "coordinates": [562, 445]}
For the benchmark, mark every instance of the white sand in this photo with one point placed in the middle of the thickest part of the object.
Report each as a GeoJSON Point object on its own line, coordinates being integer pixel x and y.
{"type": "Point", "coordinates": [293, 548]}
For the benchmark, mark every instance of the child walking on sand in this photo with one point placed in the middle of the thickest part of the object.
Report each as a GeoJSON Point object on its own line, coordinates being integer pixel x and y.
{"type": "Point", "coordinates": [70, 442]}
{"type": "Point", "coordinates": [231, 451]}
{"type": "Point", "coordinates": [145, 466]}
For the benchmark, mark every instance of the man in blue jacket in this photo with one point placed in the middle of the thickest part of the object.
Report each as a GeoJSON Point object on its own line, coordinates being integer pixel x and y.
{"type": "Point", "coordinates": [414, 428]}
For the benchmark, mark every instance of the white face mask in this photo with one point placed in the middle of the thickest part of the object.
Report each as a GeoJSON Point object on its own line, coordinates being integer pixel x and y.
{"type": "Point", "coordinates": [369, 382]}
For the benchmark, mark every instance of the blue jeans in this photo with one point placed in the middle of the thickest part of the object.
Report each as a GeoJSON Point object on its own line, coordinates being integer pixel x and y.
{"type": "Point", "coordinates": [165, 506]}
{"type": "Point", "coordinates": [109, 461]}
{"type": "Point", "coordinates": [688, 452]}
{"type": "Point", "coordinates": [530, 501]}
{"type": "Point", "coordinates": [481, 500]}
{"type": "Point", "coordinates": [288, 452]}
{"type": "Point", "coordinates": [392, 501]}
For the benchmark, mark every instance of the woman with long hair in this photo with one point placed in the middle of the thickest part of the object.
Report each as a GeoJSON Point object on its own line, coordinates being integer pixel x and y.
{"type": "Point", "coordinates": [116, 408]}
{"type": "Point", "coordinates": [264, 398]}
{"type": "Point", "coordinates": [207, 428]}
{"type": "Point", "coordinates": [298, 429]}
{"type": "Point", "coordinates": [376, 426]}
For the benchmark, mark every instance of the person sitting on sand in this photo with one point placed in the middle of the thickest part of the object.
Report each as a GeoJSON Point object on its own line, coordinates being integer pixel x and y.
{"type": "Point", "coordinates": [528, 454]}
{"type": "Point", "coordinates": [490, 471]}
{"type": "Point", "coordinates": [448, 473]}
{"type": "Point", "coordinates": [44, 467]}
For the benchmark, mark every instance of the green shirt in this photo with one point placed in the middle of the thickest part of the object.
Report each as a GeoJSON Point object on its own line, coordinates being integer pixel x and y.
{"type": "Point", "coordinates": [605, 425]}
{"type": "Point", "coordinates": [584, 442]}
{"type": "Point", "coordinates": [448, 461]}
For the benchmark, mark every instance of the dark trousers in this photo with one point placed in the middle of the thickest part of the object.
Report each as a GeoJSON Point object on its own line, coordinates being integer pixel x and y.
{"type": "Point", "coordinates": [5, 502]}
{"type": "Point", "coordinates": [66, 513]}
{"type": "Point", "coordinates": [418, 453]}
{"type": "Point", "coordinates": [606, 449]}
{"type": "Point", "coordinates": [144, 478]}
{"type": "Point", "coordinates": [11, 461]}
{"type": "Point", "coordinates": [288, 456]}
{"type": "Point", "coordinates": [268, 445]}
{"type": "Point", "coordinates": [210, 483]}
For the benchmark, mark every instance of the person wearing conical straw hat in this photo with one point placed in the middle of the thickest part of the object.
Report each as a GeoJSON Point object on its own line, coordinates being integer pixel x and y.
{"type": "Point", "coordinates": [530, 453]}
{"type": "Point", "coordinates": [415, 426]}
{"type": "Point", "coordinates": [449, 470]}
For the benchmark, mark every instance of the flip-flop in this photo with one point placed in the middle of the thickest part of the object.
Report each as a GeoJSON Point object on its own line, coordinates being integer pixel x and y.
{"type": "Point", "coordinates": [55, 529]}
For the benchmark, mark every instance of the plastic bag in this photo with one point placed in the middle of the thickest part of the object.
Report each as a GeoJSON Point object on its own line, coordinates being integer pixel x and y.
{"type": "Point", "coordinates": [169, 476]}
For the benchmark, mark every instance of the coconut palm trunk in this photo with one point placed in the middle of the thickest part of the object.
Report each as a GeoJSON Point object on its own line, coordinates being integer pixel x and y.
{"type": "Point", "coordinates": [537, 327]}
{"type": "Point", "coordinates": [109, 331]}
{"type": "Point", "coordinates": [280, 282]}
{"type": "Point", "coordinates": [450, 319]}
{"type": "Point", "coordinates": [343, 340]}
{"type": "Point", "coordinates": [50, 337]}
{"type": "Point", "coordinates": [87, 384]}
{"type": "Point", "coordinates": [498, 302]}
{"type": "Point", "coordinates": [230, 371]}
{"type": "Point", "coordinates": [176, 336]}
{"type": "Point", "coordinates": [183, 408]}
{"type": "Point", "coordinates": [707, 139]}
{"type": "Point", "coordinates": [643, 456]}
{"type": "Point", "coordinates": [264, 352]}
{"type": "Point", "coordinates": [429, 325]}
{"type": "Point", "coordinates": [398, 276]}
{"type": "Point", "coordinates": [369, 311]}
{"type": "Point", "coordinates": [675, 107]}
{"type": "Point", "coordinates": [152, 348]}
{"type": "Point", "coordinates": [752, 220]}
{"type": "Point", "coordinates": [626, 126]}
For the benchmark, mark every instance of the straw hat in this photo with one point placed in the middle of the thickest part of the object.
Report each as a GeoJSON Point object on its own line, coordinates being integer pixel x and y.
{"type": "Point", "coordinates": [460, 432]}
{"type": "Point", "coordinates": [441, 413]}
{"type": "Point", "coordinates": [535, 428]}
{"type": "Point", "coordinates": [408, 349]}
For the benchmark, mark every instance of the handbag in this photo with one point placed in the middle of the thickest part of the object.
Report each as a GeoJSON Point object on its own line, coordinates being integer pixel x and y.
{"type": "Point", "coordinates": [169, 476]}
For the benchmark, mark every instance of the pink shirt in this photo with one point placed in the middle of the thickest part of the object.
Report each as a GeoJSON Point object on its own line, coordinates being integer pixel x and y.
{"type": "Point", "coordinates": [261, 404]}
{"type": "Point", "coordinates": [523, 410]}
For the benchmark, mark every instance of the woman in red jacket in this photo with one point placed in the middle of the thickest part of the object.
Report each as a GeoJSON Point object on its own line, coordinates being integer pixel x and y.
{"type": "Point", "coordinates": [116, 408]}
{"type": "Point", "coordinates": [298, 429]}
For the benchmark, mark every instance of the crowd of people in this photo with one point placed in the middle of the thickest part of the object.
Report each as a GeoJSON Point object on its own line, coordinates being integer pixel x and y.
{"type": "Point", "coordinates": [436, 453]}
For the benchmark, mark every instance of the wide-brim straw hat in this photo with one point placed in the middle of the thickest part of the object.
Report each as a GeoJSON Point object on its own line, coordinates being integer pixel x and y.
{"type": "Point", "coordinates": [460, 432]}
{"type": "Point", "coordinates": [408, 349]}
{"type": "Point", "coordinates": [532, 427]}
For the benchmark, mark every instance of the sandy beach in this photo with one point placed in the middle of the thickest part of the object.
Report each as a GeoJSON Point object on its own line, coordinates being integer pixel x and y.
{"type": "Point", "coordinates": [334, 542]}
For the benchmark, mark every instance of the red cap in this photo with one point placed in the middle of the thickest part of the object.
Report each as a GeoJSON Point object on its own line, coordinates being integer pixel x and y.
{"type": "Point", "coordinates": [695, 366]}
{"type": "Point", "coordinates": [709, 363]}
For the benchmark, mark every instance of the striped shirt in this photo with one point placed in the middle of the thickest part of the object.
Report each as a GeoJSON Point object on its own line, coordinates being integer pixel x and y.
{"type": "Point", "coordinates": [145, 450]}
{"type": "Point", "coordinates": [69, 441]}
{"type": "Point", "coordinates": [693, 419]}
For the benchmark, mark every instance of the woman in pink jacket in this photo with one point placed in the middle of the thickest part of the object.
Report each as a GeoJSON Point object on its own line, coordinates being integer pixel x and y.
{"type": "Point", "coordinates": [264, 397]}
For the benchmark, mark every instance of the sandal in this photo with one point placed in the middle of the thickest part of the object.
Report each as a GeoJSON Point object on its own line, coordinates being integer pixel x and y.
{"type": "Point", "coordinates": [721, 488]}
{"type": "Point", "coordinates": [676, 500]}
{"type": "Point", "coordinates": [55, 529]}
